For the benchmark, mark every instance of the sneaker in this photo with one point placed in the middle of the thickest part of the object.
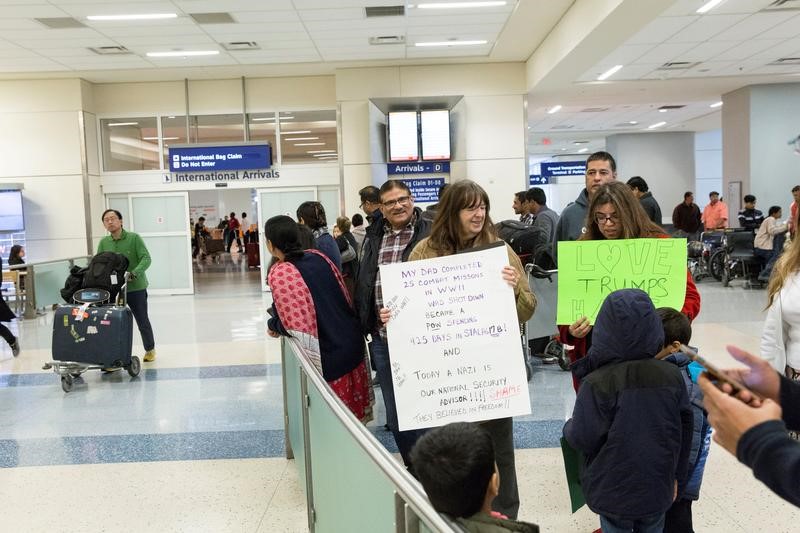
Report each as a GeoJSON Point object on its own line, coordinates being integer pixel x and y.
{"type": "Point", "coordinates": [149, 356]}
{"type": "Point", "coordinates": [15, 348]}
{"type": "Point", "coordinates": [111, 369]}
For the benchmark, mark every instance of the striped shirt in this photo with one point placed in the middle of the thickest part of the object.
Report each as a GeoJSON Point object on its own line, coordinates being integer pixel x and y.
{"type": "Point", "coordinates": [393, 244]}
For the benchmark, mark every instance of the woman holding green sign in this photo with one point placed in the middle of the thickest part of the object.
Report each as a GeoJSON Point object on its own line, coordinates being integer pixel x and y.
{"type": "Point", "coordinates": [615, 213]}
{"type": "Point", "coordinates": [462, 222]}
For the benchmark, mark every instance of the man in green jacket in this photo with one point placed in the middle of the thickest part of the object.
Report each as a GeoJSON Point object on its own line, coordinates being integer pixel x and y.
{"type": "Point", "coordinates": [131, 246]}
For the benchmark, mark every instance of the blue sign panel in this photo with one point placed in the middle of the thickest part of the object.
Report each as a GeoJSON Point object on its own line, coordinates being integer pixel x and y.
{"type": "Point", "coordinates": [536, 179]}
{"type": "Point", "coordinates": [208, 158]}
{"type": "Point", "coordinates": [419, 168]}
{"type": "Point", "coordinates": [425, 190]}
{"type": "Point", "coordinates": [563, 168]}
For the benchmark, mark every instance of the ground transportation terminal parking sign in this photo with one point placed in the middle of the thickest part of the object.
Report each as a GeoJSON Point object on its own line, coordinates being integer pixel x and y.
{"type": "Point", "coordinates": [199, 158]}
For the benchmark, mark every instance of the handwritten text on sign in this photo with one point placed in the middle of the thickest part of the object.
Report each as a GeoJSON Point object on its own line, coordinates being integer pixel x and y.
{"type": "Point", "coordinates": [588, 271]}
{"type": "Point", "coordinates": [454, 340]}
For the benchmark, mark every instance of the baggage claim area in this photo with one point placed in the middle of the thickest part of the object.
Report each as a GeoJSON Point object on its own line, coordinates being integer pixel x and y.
{"type": "Point", "coordinates": [182, 126]}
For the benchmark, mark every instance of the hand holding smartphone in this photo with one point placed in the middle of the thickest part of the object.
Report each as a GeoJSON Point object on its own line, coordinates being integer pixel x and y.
{"type": "Point", "coordinates": [719, 375]}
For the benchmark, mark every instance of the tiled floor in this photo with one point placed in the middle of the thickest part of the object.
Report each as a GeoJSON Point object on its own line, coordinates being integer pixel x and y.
{"type": "Point", "coordinates": [196, 442]}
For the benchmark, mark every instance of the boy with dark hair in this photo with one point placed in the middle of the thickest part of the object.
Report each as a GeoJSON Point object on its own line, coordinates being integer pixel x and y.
{"type": "Point", "coordinates": [455, 464]}
{"type": "Point", "coordinates": [632, 419]}
{"type": "Point", "coordinates": [677, 331]}
{"type": "Point", "coordinates": [750, 217]}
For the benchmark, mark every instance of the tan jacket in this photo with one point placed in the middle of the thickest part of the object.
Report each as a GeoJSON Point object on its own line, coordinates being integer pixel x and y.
{"type": "Point", "coordinates": [766, 233]}
{"type": "Point", "coordinates": [526, 301]}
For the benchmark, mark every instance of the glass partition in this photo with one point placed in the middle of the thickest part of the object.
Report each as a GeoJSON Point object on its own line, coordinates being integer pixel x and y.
{"type": "Point", "coordinates": [173, 131]}
{"type": "Point", "coordinates": [216, 128]}
{"type": "Point", "coordinates": [262, 128]}
{"type": "Point", "coordinates": [130, 144]}
{"type": "Point", "coordinates": [308, 136]}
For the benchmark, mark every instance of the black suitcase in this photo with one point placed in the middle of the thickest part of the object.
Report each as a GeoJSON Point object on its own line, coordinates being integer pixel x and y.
{"type": "Point", "coordinates": [103, 336]}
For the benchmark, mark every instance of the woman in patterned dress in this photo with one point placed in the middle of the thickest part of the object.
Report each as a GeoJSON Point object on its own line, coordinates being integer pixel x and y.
{"type": "Point", "coordinates": [312, 305]}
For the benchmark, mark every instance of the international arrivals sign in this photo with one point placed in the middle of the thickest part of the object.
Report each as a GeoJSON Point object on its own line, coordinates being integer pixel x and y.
{"type": "Point", "coordinates": [222, 162]}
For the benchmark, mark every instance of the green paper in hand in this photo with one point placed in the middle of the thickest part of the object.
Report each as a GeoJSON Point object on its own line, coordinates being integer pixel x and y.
{"type": "Point", "coordinates": [573, 459]}
{"type": "Point", "coordinates": [588, 271]}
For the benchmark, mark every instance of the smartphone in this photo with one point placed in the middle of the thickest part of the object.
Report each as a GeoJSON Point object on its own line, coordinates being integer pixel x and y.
{"type": "Point", "coordinates": [716, 373]}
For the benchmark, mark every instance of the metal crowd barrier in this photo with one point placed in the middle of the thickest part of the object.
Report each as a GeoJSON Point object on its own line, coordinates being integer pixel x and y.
{"type": "Point", "coordinates": [351, 482]}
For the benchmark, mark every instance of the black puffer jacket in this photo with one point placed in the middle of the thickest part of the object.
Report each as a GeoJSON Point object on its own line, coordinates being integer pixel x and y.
{"type": "Point", "coordinates": [368, 269]}
{"type": "Point", "coordinates": [632, 418]}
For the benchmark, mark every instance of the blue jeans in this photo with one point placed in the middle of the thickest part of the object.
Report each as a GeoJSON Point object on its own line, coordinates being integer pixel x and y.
{"type": "Point", "coordinates": [379, 352]}
{"type": "Point", "coordinates": [650, 524]}
{"type": "Point", "coordinates": [137, 301]}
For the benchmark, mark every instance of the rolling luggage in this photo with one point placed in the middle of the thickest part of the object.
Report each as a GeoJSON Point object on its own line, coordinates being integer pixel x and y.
{"type": "Point", "coordinates": [101, 335]}
{"type": "Point", "coordinates": [253, 255]}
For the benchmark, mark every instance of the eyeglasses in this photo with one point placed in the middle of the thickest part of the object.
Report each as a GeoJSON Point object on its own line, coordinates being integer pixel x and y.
{"type": "Point", "coordinates": [602, 218]}
{"type": "Point", "coordinates": [403, 201]}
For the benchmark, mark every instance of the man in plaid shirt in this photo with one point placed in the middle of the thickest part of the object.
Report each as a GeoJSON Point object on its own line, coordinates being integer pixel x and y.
{"type": "Point", "coordinates": [389, 241]}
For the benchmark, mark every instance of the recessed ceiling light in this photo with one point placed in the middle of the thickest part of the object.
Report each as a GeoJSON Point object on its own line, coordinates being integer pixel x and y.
{"type": "Point", "coordinates": [633, 122]}
{"type": "Point", "coordinates": [458, 5]}
{"type": "Point", "coordinates": [718, 104]}
{"type": "Point", "coordinates": [656, 125]}
{"type": "Point", "coordinates": [563, 149]}
{"type": "Point", "coordinates": [320, 151]}
{"type": "Point", "coordinates": [451, 43]}
{"type": "Point", "coordinates": [183, 53]}
{"type": "Point", "coordinates": [583, 150]}
{"type": "Point", "coordinates": [286, 118]}
{"type": "Point", "coordinates": [303, 139]}
{"type": "Point", "coordinates": [663, 110]}
{"type": "Point", "coordinates": [708, 6]}
{"type": "Point", "coordinates": [259, 119]}
{"type": "Point", "coordinates": [610, 72]}
{"type": "Point", "coordinates": [141, 16]}
{"type": "Point", "coordinates": [554, 109]}
{"type": "Point", "coordinates": [112, 124]}
{"type": "Point", "coordinates": [309, 144]}
{"type": "Point", "coordinates": [294, 132]}
{"type": "Point", "coordinates": [156, 138]}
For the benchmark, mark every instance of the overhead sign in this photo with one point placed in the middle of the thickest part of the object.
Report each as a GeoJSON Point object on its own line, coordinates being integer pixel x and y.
{"type": "Point", "coordinates": [563, 168]}
{"type": "Point", "coordinates": [220, 177]}
{"type": "Point", "coordinates": [207, 158]}
{"type": "Point", "coordinates": [454, 339]}
{"type": "Point", "coordinates": [419, 168]}
{"type": "Point", "coordinates": [588, 271]}
{"type": "Point", "coordinates": [536, 179]}
{"type": "Point", "coordinates": [425, 190]}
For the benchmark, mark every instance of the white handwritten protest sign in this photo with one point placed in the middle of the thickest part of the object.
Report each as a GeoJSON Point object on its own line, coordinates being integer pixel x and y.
{"type": "Point", "coordinates": [454, 340]}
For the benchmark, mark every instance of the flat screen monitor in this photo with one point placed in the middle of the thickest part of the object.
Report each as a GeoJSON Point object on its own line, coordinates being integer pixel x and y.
{"type": "Point", "coordinates": [435, 128]}
{"type": "Point", "coordinates": [11, 211]}
{"type": "Point", "coordinates": [403, 143]}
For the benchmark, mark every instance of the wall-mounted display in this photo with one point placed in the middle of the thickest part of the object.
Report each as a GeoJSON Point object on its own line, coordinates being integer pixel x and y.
{"type": "Point", "coordinates": [11, 218]}
{"type": "Point", "coordinates": [435, 135]}
{"type": "Point", "coordinates": [403, 139]}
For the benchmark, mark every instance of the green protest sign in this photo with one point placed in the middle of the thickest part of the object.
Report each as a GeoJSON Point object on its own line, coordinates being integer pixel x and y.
{"type": "Point", "coordinates": [588, 271]}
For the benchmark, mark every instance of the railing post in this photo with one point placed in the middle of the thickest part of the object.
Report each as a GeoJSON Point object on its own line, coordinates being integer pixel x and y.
{"type": "Point", "coordinates": [287, 440]}
{"type": "Point", "coordinates": [30, 293]}
{"type": "Point", "coordinates": [307, 450]}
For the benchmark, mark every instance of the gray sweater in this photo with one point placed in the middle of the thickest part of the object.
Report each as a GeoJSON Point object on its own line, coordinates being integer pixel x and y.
{"type": "Point", "coordinates": [571, 224]}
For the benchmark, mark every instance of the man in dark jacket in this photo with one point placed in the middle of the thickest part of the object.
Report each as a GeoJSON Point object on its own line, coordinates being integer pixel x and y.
{"type": "Point", "coordinates": [632, 419]}
{"type": "Point", "coordinates": [686, 218]}
{"type": "Point", "coordinates": [642, 192]}
{"type": "Point", "coordinates": [370, 203]}
{"type": "Point", "coordinates": [389, 240]}
{"type": "Point", "coordinates": [600, 169]}
{"type": "Point", "coordinates": [754, 429]}
{"type": "Point", "coordinates": [750, 217]}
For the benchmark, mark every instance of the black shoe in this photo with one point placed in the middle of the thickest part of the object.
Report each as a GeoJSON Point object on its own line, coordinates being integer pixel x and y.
{"type": "Point", "coordinates": [15, 348]}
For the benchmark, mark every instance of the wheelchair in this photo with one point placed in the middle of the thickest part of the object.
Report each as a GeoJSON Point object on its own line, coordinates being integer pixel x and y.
{"type": "Point", "coordinates": [740, 260]}
{"type": "Point", "coordinates": [703, 259]}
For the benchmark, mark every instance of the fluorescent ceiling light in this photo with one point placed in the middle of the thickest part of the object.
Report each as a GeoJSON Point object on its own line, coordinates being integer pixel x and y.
{"type": "Point", "coordinates": [141, 16]}
{"type": "Point", "coordinates": [156, 138]}
{"type": "Point", "coordinates": [563, 149]}
{"type": "Point", "coordinates": [303, 139]}
{"type": "Point", "coordinates": [112, 124]}
{"type": "Point", "coordinates": [321, 151]}
{"type": "Point", "coordinates": [294, 132]}
{"type": "Point", "coordinates": [582, 150]}
{"type": "Point", "coordinates": [663, 110]}
{"type": "Point", "coordinates": [458, 5]}
{"type": "Point", "coordinates": [286, 118]}
{"type": "Point", "coordinates": [656, 125]}
{"type": "Point", "coordinates": [183, 53]}
{"type": "Point", "coordinates": [554, 109]}
{"type": "Point", "coordinates": [610, 72]}
{"type": "Point", "coordinates": [633, 122]}
{"type": "Point", "coordinates": [262, 118]}
{"type": "Point", "coordinates": [708, 6]}
{"type": "Point", "coordinates": [450, 43]}
{"type": "Point", "coordinates": [309, 144]}
{"type": "Point", "coordinates": [718, 104]}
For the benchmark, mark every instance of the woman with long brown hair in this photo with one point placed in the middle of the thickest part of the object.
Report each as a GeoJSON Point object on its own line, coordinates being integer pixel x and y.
{"type": "Point", "coordinates": [780, 340]}
{"type": "Point", "coordinates": [462, 222]}
{"type": "Point", "coordinates": [615, 213]}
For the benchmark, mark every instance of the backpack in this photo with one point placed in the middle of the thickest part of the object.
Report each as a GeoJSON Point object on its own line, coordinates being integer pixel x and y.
{"type": "Point", "coordinates": [523, 239]}
{"type": "Point", "coordinates": [74, 283]}
{"type": "Point", "coordinates": [106, 271]}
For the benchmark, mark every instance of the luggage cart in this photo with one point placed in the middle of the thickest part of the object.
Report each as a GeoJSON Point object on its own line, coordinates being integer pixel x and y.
{"type": "Point", "coordinates": [93, 299]}
{"type": "Point", "coordinates": [542, 325]}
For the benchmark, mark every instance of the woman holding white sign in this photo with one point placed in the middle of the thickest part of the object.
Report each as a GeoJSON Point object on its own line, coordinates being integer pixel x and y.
{"type": "Point", "coordinates": [615, 213]}
{"type": "Point", "coordinates": [462, 222]}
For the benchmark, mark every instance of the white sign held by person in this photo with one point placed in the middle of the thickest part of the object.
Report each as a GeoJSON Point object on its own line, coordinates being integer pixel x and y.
{"type": "Point", "coordinates": [454, 340]}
